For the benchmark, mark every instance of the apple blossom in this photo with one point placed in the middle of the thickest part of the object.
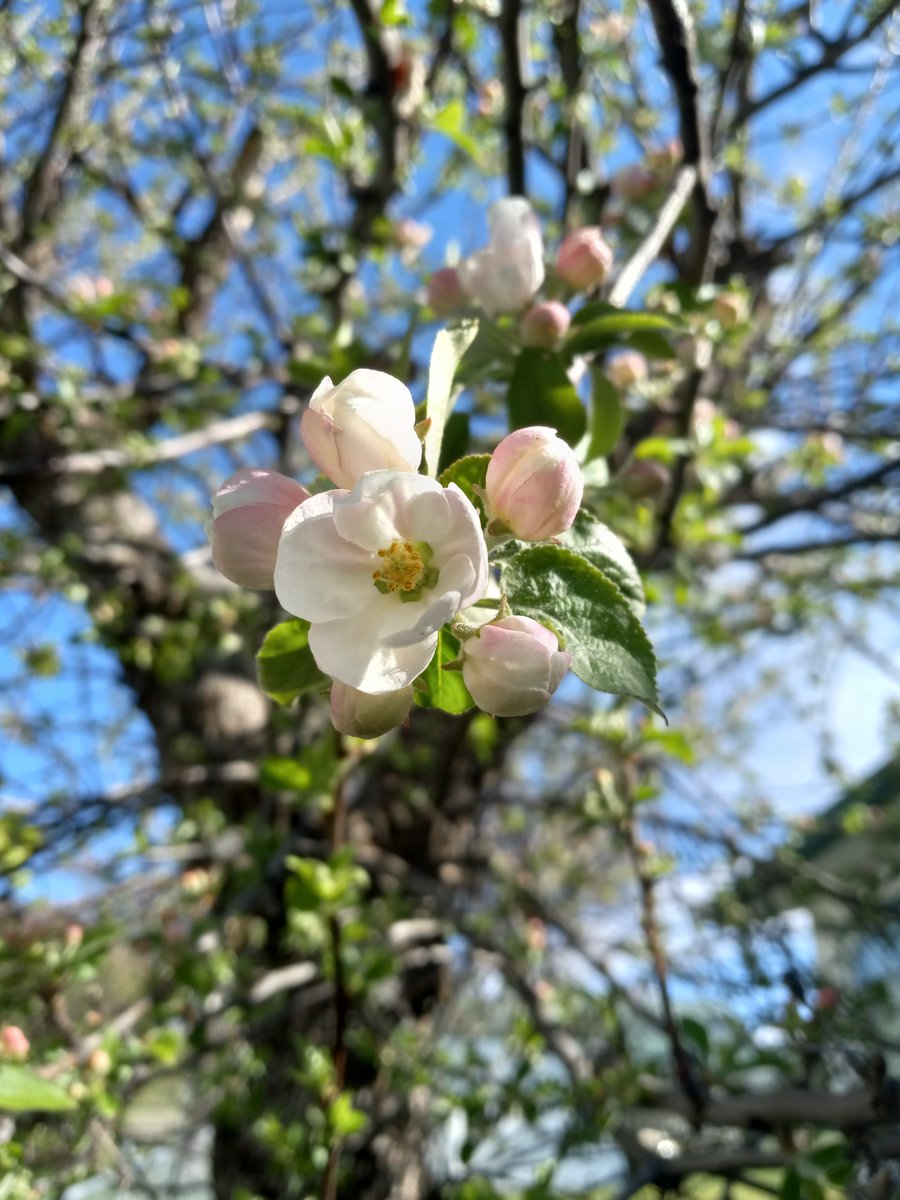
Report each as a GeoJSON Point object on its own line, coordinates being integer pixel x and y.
{"type": "Point", "coordinates": [584, 258]}
{"type": "Point", "coordinates": [534, 484]}
{"type": "Point", "coordinates": [13, 1042]}
{"type": "Point", "coordinates": [545, 325]}
{"type": "Point", "coordinates": [446, 293]}
{"type": "Point", "coordinates": [626, 369]}
{"type": "Point", "coordinates": [363, 715]}
{"type": "Point", "coordinates": [365, 423]}
{"type": "Point", "coordinates": [730, 309]}
{"type": "Point", "coordinates": [249, 512]}
{"type": "Point", "coordinates": [378, 571]}
{"type": "Point", "coordinates": [513, 666]}
{"type": "Point", "coordinates": [510, 269]}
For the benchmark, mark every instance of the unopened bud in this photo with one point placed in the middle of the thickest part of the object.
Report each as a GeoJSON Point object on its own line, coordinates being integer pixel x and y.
{"type": "Point", "coordinates": [513, 666]}
{"type": "Point", "coordinates": [645, 478]}
{"type": "Point", "coordinates": [446, 294]}
{"type": "Point", "coordinates": [534, 484]}
{"type": "Point", "coordinates": [584, 259]}
{"type": "Point", "coordinates": [366, 423]}
{"type": "Point", "coordinates": [363, 715]}
{"type": "Point", "coordinates": [13, 1042]}
{"type": "Point", "coordinates": [545, 325]}
{"type": "Point", "coordinates": [626, 369]}
{"type": "Point", "coordinates": [99, 1062]}
{"type": "Point", "coordinates": [249, 511]}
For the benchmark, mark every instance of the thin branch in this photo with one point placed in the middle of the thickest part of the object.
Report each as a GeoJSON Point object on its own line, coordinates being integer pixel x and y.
{"type": "Point", "coordinates": [515, 91]}
{"type": "Point", "coordinates": [648, 251]}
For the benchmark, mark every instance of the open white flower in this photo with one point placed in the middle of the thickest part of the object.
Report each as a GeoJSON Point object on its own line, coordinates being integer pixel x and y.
{"type": "Point", "coordinates": [378, 571]}
{"type": "Point", "coordinates": [365, 423]}
{"type": "Point", "coordinates": [505, 275]}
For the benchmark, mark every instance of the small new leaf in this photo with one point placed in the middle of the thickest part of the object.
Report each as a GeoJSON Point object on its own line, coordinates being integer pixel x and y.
{"type": "Point", "coordinates": [285, 665]}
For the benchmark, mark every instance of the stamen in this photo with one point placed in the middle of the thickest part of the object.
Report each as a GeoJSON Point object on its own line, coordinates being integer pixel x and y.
{"type": "Point", "coordinates": [405, 569]}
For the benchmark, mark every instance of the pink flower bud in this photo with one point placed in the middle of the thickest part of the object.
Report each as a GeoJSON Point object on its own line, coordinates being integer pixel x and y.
{"type": "Point", "coordinates": [626, 369]}
{"type": "Point", "coordinates": [665, 158]}
{"type": "Point", "coordinates": [13, 1042]}
{"type": "Point", "coordinates": [446, 294]}
{"type": "Point", "coordinates": [100, 1062]}
{"type": "Point", "coordinates": [534, 484]}
{"type": "Point", "coordinates": [634, 182]}
{"type": "Point", "coordinates": [249, 512]}
{"type": "Point", "coordinates": [584, 259]}
{"type": "Point", "coordinates": [545, 325]}
{"type": "Point", "coordinates": [513, 666]}
{"type": "Point", "coordinates": [363, 715]}
{"type": "Point", "coordinates": [366, 423]}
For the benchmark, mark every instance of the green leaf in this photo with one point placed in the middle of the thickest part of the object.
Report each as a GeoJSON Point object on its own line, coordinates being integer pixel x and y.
{"type": "Point", "coordinates": [652, 344]}
{"type": "Point", "coordinates": [541, 393]}
{"type": "Point", "coordinates": [599, 545]}
{"type": "Point", "coordinates": [21, 1090]}
{"type": "Point", "coordinates": [449, 347]}
{"type": "Point", "coordinates": [452, 122]}
{"type": "Point", "coordinates": [610, 651]}
{"type": "Point", "coordinates": [285, 665]}
{"type": "Point", "coordinates": [607, 417]}
{"type": "Point", "coordinates": [613, 327]}
{"type": "Point", "coordinates": [437, 688]}
{"type": "Point", "coordinates": [456, 440]}
{"type": "Point", "coordinates": [468, 473]}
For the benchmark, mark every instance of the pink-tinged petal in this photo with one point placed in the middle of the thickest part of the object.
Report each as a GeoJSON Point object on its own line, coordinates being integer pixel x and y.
{"type": "Point", "coordinates": [364, 715]}
{"type": "Point", "coordinates": [379, 509]}
{"type": "Point", "coordinates": [513, 666]}
{"type": "Point", "coordinates": [252, 485]}
{"type": "Point", "coordinates": [318, 575]}
{"type": "Point", "coordinates": [534, 483]}
{"type": "Point", "coordinates": [342, 651]}
{"type": "Point", "coordinates": [365, 423]}
{"type": "Point", "coordinates": [318, 436]}
{"type": "Point", "coordinates": [245, 544]}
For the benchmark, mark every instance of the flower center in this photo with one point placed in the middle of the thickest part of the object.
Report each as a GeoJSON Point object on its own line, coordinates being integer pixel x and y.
{"type": "Point", "coordinates": [405, 568]}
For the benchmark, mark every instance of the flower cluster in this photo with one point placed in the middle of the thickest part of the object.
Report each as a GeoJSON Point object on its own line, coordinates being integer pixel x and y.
{"type": "Point", "coordinates": [380, 563]}
{"type": "Point", "coordinates": [506, 275]}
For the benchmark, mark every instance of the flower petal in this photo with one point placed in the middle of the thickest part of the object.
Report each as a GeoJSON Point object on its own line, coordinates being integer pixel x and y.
{"type": "Point", "coordinates": [341, 651]}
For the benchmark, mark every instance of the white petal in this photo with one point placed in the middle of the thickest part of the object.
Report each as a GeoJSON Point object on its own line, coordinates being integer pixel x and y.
{"type": "Point", "coordinates": [374, 513]}
{"type": "Point", "coordinates": [319, 576]}
{"type": "Point", "coordinates": [346, 651]}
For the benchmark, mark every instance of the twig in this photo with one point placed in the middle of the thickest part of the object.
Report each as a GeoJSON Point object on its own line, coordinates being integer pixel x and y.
{"type": "Point", "coordinates": [646, 254]}
{"type": "Point", "coordinates": [515, 90]}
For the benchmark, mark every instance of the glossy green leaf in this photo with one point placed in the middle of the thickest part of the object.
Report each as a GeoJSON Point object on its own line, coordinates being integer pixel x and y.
{"type": "Point", "coordinates": [438, 688]}
{"type": "Point", "coordinates": [285, 665]}
{"type": "Point", "coordinates": [609, 649]}
{"type": "Point", "coordinates": [612, 328]}
{"type": "Point", "coordinates": [541, 393]}
{"type": "Point", "coordinates": [599, 545]}
{"type": "Point", "coordinates": [449, 347]}
{"type": "Point", "coordinates": [21, 1090]}
{"type": "Point", "coordinates": [468, 473]}
{"type": "Point", "coordinates": [607, 417]}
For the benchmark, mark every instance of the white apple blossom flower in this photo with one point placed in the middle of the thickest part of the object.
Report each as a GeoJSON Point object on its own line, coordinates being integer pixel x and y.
{"type": "Point", "coordinates": [378, 571]}
{"type": "Point", "coordinates": [365, 423]}
{"type": "Point", "coordinates": [505, 275]}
